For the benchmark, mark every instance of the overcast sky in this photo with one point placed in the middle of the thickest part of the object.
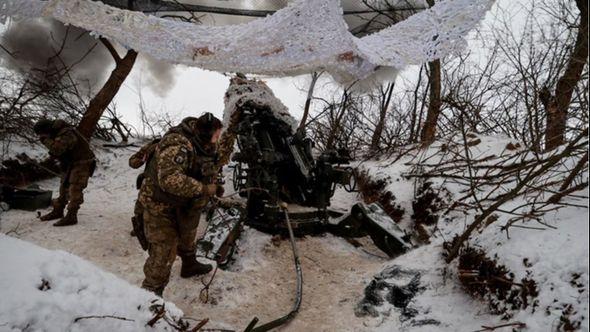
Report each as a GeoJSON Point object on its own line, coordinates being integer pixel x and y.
{"type": "Point", "coordinates": [195, 91]}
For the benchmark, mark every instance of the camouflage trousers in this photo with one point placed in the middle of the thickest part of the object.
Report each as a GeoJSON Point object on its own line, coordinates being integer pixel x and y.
{"type": "Point", "coordinates": [73, 183]}
{"type": "Point", "coordinates": [169, 231]}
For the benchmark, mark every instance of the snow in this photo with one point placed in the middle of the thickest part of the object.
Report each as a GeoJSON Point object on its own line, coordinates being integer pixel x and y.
{"type": "Point", "coordinates": [9, 149]}
{"type": "Point", "coordinates": [99, 256]}
{"type": "Point", "coordinates": [258, 93]}
{"type": "Point", "coordinates": [73, 288]}
{"type": "Point", "coordinates": [305, 36]}
{"type": "Point", "coordinates": [554, 256]}
{"type": "Point", "coordinates": [443, 300]}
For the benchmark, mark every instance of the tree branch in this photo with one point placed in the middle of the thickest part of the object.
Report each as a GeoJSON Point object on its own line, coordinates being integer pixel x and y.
{"type": "Point", "coordinates": [111, 49]}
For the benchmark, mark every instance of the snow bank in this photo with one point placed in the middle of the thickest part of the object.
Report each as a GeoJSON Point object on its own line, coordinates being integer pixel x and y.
{"type": "Point", "coordinates": [555, 256]}
{"type": "Point", "coordinates": [440, 306]}
{"type": "Point", "coordinates": [47, 290]}
{"type": "Point", "coordinates": [11, 148]}
{"type": "Point", "coordinates": [557, 259]}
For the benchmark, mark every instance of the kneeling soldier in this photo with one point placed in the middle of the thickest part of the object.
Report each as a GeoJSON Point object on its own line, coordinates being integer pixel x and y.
{"type": "Point", "coordinates": [179, 181]}
{"type": "Point", "coordinates": [77, 162]}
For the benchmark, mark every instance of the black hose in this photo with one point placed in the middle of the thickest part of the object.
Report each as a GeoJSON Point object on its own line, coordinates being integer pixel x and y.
{"type": "Point", "coordinates": [282, 320]}
{"type": "Point", "coordinates": [251, 325]}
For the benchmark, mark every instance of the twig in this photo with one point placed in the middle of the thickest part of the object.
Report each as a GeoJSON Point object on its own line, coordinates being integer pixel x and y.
{"type": "Point", "coordinates": [120, 145]}
{"type": "Point", "coordinates": [515, 192]}
{"type": "Point", "coordinates": [493, 328]}
{"type": "Point", "coordinates": [14, 230]}
{"type": "Point", "coordinates": [200, 325]}
{"type": "Point", "coordinates": [159, 314]}
{"type": "Point", "coordinates": [204, 293]}
{"type": "Point", "coordinates": [103, 316]}
{"type": "Point", "coordinates": [577, 169]}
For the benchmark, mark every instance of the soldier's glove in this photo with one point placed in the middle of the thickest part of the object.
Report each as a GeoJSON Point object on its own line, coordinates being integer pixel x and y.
{"type": "Point", "coordinates": [220, 191]}
{"type": "Point", "coordinates": [210, 190]}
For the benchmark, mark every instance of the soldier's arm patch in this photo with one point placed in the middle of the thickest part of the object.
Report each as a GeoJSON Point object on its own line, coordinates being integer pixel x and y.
{"type": "Point", "coordinates": [181, 156]}
{"type": "Point", "coordinates": [173, 160]}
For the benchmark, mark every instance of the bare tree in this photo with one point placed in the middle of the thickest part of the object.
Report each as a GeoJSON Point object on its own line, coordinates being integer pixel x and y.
{"type": "Point", "coordinates": [434, 100]}
{"type": "Point", "coordinates": [314, 78]}
{"type": "Point", "coordinates": [384, 100]}
{"type": "Point", "coordinates": [105, 95]}
{"type": "Point", "coordinates": [557, 104]}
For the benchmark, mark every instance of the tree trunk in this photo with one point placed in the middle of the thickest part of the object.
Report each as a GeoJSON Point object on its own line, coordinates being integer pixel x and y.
{"type": "Point", "coordinates": [385, 100]}
{"type": "Point", "coordinates": [336, 127]}
{"type": "Point", "coordinates": [434, 103]}
{"type": "Point", "coordinates": [429, 129]}
{"type": "Point", "coordinates": [314, 79]}
{"type": "Point", "coordinates": [414, 124]}
{"type": "Point", "coordinates": [103, 98]}
{"type": "Point", "coordinates": [556, 106]}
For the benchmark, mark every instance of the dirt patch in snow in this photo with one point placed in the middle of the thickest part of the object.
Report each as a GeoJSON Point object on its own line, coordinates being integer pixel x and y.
{"type": "Point", "coordinates": [486, 278]}
{"type": "Point", "coordinates": [375, 190]}
{"type": "Point", "coordinates": [395, 286]}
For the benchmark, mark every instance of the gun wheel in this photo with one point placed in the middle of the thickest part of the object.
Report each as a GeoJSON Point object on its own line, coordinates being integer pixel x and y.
{"type": "Point", "coordinates": [237, 177]}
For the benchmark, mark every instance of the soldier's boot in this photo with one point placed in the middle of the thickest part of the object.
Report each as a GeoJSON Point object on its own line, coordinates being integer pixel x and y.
{"type": "Point", "coordinates": [191, 267]}
{"type": "Point", "coordinates": [158, 291]}
{"type": "Point", "coordinates": [56, 213]}
{"type": "Point", "coordinates": [71, 218]}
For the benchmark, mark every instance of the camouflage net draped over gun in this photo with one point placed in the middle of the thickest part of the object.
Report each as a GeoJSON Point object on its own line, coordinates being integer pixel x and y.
{"type": "Point", "coordinates": [247, 93]}
{"type": "Point", "coordinates": [305, 36]}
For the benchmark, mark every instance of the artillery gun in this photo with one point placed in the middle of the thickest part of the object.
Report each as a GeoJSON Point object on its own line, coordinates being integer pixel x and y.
{"type": "Point", "coordinates": [275, 164]}
{"type": "Point", "coordinates": [286, 187]}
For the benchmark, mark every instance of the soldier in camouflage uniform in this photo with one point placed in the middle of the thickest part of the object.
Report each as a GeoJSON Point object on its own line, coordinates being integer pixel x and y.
{"type": "Point", "coordinates": [77, 162]}
{"type": "Point", "coordinates": [179, 181]}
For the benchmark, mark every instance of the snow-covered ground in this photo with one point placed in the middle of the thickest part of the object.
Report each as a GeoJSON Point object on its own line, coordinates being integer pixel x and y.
{"type": "Point", "coordinates": [46, 290]}
{"type": "Point", "coordinates": [554, 255]}
{"type": "Point", "coordinates": [261, 282]}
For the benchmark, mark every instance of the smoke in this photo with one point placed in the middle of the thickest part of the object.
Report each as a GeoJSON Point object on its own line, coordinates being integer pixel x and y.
{"type": "Point", "coordinates": [32, 44]}
{"type": "Point", "coordinates": [160, 76]}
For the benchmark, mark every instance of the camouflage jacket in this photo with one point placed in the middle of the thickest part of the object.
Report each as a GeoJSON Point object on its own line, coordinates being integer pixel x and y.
{"type": "Point", "coordinates": [178, 172]}
{"type": "Point", "coordinates": [67, 145]}
{"type": "Point", "coordinates": [140, 157]}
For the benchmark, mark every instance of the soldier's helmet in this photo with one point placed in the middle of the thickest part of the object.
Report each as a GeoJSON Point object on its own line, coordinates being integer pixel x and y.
{"type": "Point", "coordinates": [43, 126]}
{"type": "Point", "coordinates": [49, 127]}
{"type": "Point", "coordinates": [204, 126]}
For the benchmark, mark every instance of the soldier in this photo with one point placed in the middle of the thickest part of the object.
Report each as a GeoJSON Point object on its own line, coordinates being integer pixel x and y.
{"type": "Point", "coordinates": [179, 181]}
{"type": "Point", "coordinates": [77, 163]}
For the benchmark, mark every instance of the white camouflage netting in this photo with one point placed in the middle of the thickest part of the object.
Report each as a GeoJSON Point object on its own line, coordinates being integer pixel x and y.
{"type": "Point", "coordinates": [305, 36]}
{"type": "Point", "coordinates": [257, 92]}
